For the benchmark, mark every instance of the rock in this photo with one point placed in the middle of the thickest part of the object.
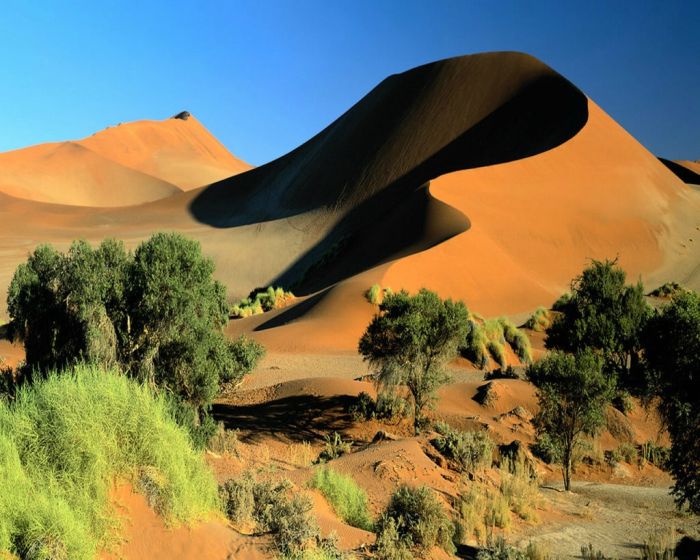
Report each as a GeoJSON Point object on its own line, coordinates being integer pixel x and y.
{"type": "Point", "coordinates": [182, 115]}
{"type": "Point", "coordinates": [381, 435]}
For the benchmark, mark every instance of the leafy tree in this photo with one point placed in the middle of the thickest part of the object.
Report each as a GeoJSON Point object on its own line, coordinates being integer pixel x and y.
{"type": "Point", "coordinates": [672, 352]}
{"type": "Point", "coordinates": [410, 340]}
{"type": "Point", "coordinates": [158, 314]}
{"type": "Point", "coordinates": [572, 392]}
{"type": "Point", "coordinates": [604, 314]}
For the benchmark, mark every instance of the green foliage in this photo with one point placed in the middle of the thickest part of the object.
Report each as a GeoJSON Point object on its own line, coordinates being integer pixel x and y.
{"type": "Point", "coordinates": [471, 451]}
{"type": "Point", "coordinates": [374, 294]}
{"type": "Point", "coordinates": [388, 407]}
{"type": "Point", "coordinates": [572, 393]}
{"type": "Point", "coordinates": [246, 354]}
{"type": "Point", "coordinates": [348, 500]}
{"type": "Point", "coordinates": [334, 447]}
{"type": "Point", "coordinates": [415, 520]}
{"type": "Point", "coordinates": [474, 346]}
{"type": "Point", "coordinates": [603, 314]}
{"type": "Point", "coordinates": [260, 301]}
{"type": "Point", "coordinates": [539, 321]}
{"type": "Point", "coordinates": [517, 340]}
{"type": "Point", "coordinates": [669, 289]}
{"type": "Point", "coordinates": [158, 314]}
{"type": "Point", "coordinates": [63, 442]}
{"type": "Point", "coordinates": [269, 506]}
{"type": "Point", "coordinates": [390, 545]}
{"type": "Point", "coordinates": [655, 454]}
{"type": "Point", "coordinates": [411, 340]}
{"type": "Point", "coordinates": [672, 352]}
{"type": "Point", "coordinates": [623, 402]}
{"type": "Point", "coordinates": [497, 352]}
{"type": "Point", "coordinates": [499, 549]}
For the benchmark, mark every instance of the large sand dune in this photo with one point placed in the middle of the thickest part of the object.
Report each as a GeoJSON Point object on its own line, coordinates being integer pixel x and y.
{"type": "Point", "coordinates": [489, 178]}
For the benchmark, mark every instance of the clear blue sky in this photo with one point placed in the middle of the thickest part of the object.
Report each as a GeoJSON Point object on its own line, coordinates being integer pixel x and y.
{"type": "Point", "coordinates": [266, 76]}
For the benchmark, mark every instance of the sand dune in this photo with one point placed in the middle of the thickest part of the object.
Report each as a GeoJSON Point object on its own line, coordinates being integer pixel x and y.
{"type": "Point", "coordinates": [178, 151]}
{"type": "Point", "coordinates": [686, 171]}
{"type": "Point", "coordinates": [120, 166]}
{"type": "Point", "coordinates": [527, 180]}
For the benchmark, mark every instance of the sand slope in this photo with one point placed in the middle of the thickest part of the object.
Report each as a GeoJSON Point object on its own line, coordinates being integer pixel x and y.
{"type": "Point", "coordinates": [527, 180]}
{"type": "Point", "coordinates": [120, 166]}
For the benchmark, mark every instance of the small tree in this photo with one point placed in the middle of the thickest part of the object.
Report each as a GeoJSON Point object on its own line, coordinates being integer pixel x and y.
{"type": "Point", "coordinates": [604, 314]}
{"type": "Point", "coordinates": [572, 393]}
{"type": "Point", "coordinates": [410, 341]}
{"type": "Point", "coordinates": [158, 314]}
{"type": "Point", "coordinates": [672, 351]}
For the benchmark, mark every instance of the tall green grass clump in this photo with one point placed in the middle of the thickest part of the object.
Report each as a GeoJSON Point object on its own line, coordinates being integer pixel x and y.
{"type": "Point", "coordinates": [471, 451]}
{"type": "Point", "coordinates": [63, 443]}
{"type": "Point", "coordinates": [348, 500]}
{"type": "Point", "coordinates": [261, 300]}
{"type": "Point", "coordinates": [539, 321]}
{"type": "Point", "coordinates": [517, 339]}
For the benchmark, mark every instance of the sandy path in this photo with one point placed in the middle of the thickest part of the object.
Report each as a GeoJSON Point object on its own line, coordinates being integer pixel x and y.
{"type": "Point", "coordinates": [616, 519]}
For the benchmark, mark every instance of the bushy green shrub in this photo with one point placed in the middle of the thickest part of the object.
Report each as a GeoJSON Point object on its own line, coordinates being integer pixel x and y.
{"type": "Point", "coordinates": [655, 454]}
{"type": "Point", "coordinates": [260, 301]}
{"type": "Point", "coordinates": [415, 520]}
{"type": "Point", "coordinates": [388, 406]}
{"type": "Point", "coordinates": [469, 450]}
{"type": "Point", "coordinates": [334, 447]}
{"type": "Point", "coordinates": [499, 549]}
{"type": "Point", "coordinates": [390, 545]}
{"type": "Point", "coordinates": [269, 506]}
{"type": "Point", "coordinates": [374, 294]}
{"type": "Point", "coordinates": [64, 441]}
{"type": "Point", "coordinates": [474, 345]}
{"type": "Point", "coordinates": [539, 321]}
{"type": "Point", "coordinates": [669, 289]}
{"type": "Point", "coordinates": [348, 500]}
{"type": "Point", "coordinates": [623, 402]}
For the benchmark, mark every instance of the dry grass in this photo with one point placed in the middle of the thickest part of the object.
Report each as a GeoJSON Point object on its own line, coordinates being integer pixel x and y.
{"type": "Point", "coordinates": [301, 454]}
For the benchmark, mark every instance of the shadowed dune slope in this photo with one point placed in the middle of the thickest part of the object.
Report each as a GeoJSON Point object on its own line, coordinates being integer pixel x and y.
{"type": "Point", "coordinates": [686, 171]}
{"type": "Point", "coordinates": [120, 166]}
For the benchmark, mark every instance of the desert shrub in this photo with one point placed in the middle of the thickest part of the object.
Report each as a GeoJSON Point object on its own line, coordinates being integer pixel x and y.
{"type": "Point", "coordinates": [390, 545]}
{"type": "Point", "coordinates": [65, 439]}
{"type": "Point", "coordinates": [669, 289]}
{"type": "Point", "coordinates": [561, 302]}
{"type": "Point", "coordinates": [473, 348]}
{"type": "Point", "coordinates": [655, 454]}
{"type": "Point", "coordinates": [374, 294]}
{"type": "Point", "coordinates": [363, 408]}
{"type": "Point", "coordinates": [416, 520]}
{"type": "Point", "coordinates": [520, 488]}
{"type": "Point", "coordinates": [301, 454]}
{"type": "Point", "coordinates": [389, 407]}
{"type": "Point", "coordinates": [270, 508]}
{"type": "Point", "coordinates": [469, 450]}
{"type": "Point", "coordinates": [623, 402]}
{"type": "Point", "coordinates": [334, 447]}
{"type": "Point", "coordinates": [224, 442]}
{"type": "Point", "coordinates": [660, 546]}
{"type": "Point", "coordinates": [348, 500]}
{"type": "Point", "coordinates": [471, 505]}
{"type": "Point", "coordinates": [628, 452]}
{"type": "Point", "coordinates": [410, 341]}
{"type": "Point", "coordinates": [546, 448]}
{"type": "Point", "coordinates": [539, 321]}
{"type": "Point", "coordinates": [517, 340]}
{"type": "Point", "coordinates": [502, 373]}
{"type": "Point", "coordinates": [497, 352]}
{"type": "Point", "coordinates": [590, 553]}
{"type": "Point", "coordinates": [260, 301]}
{"type": "Point", "coordinates": [499, 549]}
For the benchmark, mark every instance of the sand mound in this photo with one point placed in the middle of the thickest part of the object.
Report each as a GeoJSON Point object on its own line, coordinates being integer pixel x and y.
{"type": "Point", "coordinates": [178, 151]}
{"type": "Point", "coordinates": [121, 166]}
{"type": "Point", "coordinates": [145, 535]}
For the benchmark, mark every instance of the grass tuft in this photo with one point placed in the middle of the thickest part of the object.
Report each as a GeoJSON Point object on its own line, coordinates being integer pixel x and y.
{"type": "Point", "coordinates": [66, 439]}
{"type": "Point", "coordinates": [348, 500]}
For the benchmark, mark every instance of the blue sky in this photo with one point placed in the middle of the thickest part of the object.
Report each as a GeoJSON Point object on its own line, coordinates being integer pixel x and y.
{"type": "Point", "coordinates": [266, 76]}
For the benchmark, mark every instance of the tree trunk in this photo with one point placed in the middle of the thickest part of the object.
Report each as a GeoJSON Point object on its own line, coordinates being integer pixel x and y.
{"type": "Point", "coordinates": [566, 468]}
{"type": "Point", "coordinates": [417, 419]}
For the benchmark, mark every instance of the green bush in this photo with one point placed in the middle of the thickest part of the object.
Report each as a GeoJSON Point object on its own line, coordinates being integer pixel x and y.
{"type": "Point", "coordinates": [669, 289]}
{"type": "Point", "coordinates": [470, 450]}
{"type": "Point", "coordinates": [268, 505]}
{"type": "Point", "coordinates": [374, 294]}
{"type": "Point", "coordinates": [348, 500]}
{"type": "Point", "coordinates": [334, 447]}
{"type": "Point", "coordinates": [539, 321]}
{"type": "Point", "coordinates": [390, 545]}
{"type": "Point", "coordinates": [655, 454]}
{"type": "Point", "coordinates": [260, 301]}
{"type": "Point", "coordinates": [388, 406]}
{"type": "Point", "coordinates": [66, 439]}
{"type": "Point", "coordinates": [415, 520]}
{"type": "Point", "coordinates": [517, 340]}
